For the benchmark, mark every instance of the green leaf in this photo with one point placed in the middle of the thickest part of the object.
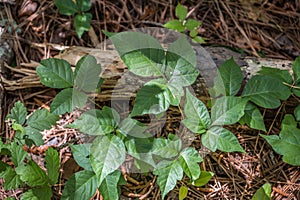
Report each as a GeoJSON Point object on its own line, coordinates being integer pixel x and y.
{"type": "Point", "coordinates": [152, 98]}
{"type": "Point", "coordinates": [67, 100]}
{"type": "Point", "coordinates": [194, 33]}
{"type": "Point", "coordinates": [32, 174]}
{"type": "Point", "coordinates": [42, 192]}
{"type": "Point", "coordinates": [55, 73]}
{"type": "Point", "coordinates": [18, 154]}
{"type": "Point", "coordinates": [183, 50]}
{"type": "Point", "coordinates": [189, 159]}
{"type": "Point", "coordinates": [29, 195]}
{"type": "Point", "coordinates": [107, 155]}
{"type": "Point", "coordinates": [175, 25]}
{"type": "Point", "coordinates": [203, 179]}
{"type": "Point", "coordinates": [229, 78]}
{"type": "Point", "coordinates": [181, 12]}
{"type": "Point", "coordinates": [33, 137]}
{"type": "Point", "coordinates": [296, 70]}
{"type": "Point", "coordinates": [297, 113]}
{"type": "Point", "coordinates": [286, 144]}
{"type": "Point", "coordinates": [266, 91]}
{"type": "Point", "coordinates": [141, 52]}
{"type": "Point", "coordinates": [109, 187]}
{"type": "Point", "coordinates": [197, 116]}
{"type": "Point", "coordinates": [192, 24]}
{"type": "Point", "coordinates": [175, 92]}
{"type": "Point", "coordinates": [87, 74]}
{"type": "Point", "coordinates": [81, 154]}
{"type": "Point", "coordinates": [145, 62]}
{"type": "Point", "coordinates": [182, 73]}
{"type": "Point", "coordinates": [288, 120]}
{"type": "Point", "coordinates": [199, 39]}
{"type": "Point", "coordinates": [183, 192]}
{"type": "Point", "coordinates": [82, 185]}
{"type": "Point", "coordinates": [18, 113]}
{"type": "Point", "coordinates": [227, 110]}
{"type": "Point", "coordinates": [222, 139]}
{"type": "Point", "coordinates": [140, 148]}
{"type": "Point", "coordinates": [280, 74]}
{"type": "Point", "coordinates": [83, 5]}
{"type": "Point", "coordinates": [166, 148]}
{"type": "Point", "coordinates": [18, 127]}
{"type": "Point", "coordinates": [66, 7]}
{"type": "Point", "coordinates": [253, 117]}
{"type": "Point", "coordinates": [42, 119]}
{"type": "Point", "coordinates": [263, 193]}
{"type": "Point", "coordinates": [97, 122]}
{"type": "Point", "coordinates": [12, 179]}
{"type": "Point", "coordinates": [82, 22]}
{"type": "Point", "coordinates": [168, 173]}
{"type": "Point", "coordinates": [52, 165]}
{"type": "Point", "coordinates": [134, 128]}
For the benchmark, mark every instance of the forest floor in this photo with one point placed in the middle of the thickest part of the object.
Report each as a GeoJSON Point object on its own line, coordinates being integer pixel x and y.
{"type": "Point", "coordinates": [269, 28]}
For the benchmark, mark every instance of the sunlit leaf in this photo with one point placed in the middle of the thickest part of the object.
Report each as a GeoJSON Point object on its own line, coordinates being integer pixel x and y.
{"type": "Point", "coordinates": [175, 25]}
{"type": "Point", "coordinates": [109, 187]}
{"type": "Point", "coordinates": [222, 139]}
{"type": "Point", "coordinates": [183, 191]}
{"type": "Point", "coordinates": [227, 110]}
{"type": "Point", "coordinates": [181, 12]}
{"type": "Point", "coordinates": [189, 160]}
{"type": "Point", "coordinates": [168, 173]}
{"type": "Point", "coordinates": [197, 116]}
{"type": "Point", "coordinates": [203, 178]}
{"type": "Point", "coordinates": [107, 155]}
{"type": "Point", "coordinates": [263, 193]}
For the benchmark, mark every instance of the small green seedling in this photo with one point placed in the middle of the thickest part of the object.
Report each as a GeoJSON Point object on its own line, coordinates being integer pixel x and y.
{"type": "Point", "coordinates": [183, 24]}
{"type": "Point", "coordinates": [79, 8]}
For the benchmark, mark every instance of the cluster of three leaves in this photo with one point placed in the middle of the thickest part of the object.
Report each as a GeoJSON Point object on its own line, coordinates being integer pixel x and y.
{"type": "Point", "coordinates": [173, 69]}
{"type": "Point", "coordinates": [57, 73]}
{"type": "Point", "coordinates": [82, 21]}
{"type": "Point", "coordinates": [136, 143]}
{"type": "Point", "coordinates": [30, 173]}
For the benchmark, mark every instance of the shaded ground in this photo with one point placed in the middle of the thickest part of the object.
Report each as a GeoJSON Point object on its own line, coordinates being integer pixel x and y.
{"type": "Point", "coordinates": [268, 28]}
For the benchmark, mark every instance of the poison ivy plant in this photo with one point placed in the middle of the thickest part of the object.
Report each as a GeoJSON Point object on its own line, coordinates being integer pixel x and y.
{"type": "Point", "coordinates": [57, 73]}
{"type": "Point", "coordinates": [169, 72]}
{"type": "Point", "coordinates": [127, 137]}
{"type": "Point", "coordinates": [288, 141]}
{"type": "Point", "coordinates": [144, 56]}
{"type": "Point", "coordinates": [79, 8]}
{"type": "Point", "coordinates": [227, 110]}
{"type": "Point", "coordinates": [28, 131]}
{"type": "Point", "coordinates": [183, 24]}
{"type": "Point", "coordinates": [25, 172]}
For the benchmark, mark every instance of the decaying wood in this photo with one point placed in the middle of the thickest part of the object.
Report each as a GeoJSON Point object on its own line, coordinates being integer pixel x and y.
{"type": "Point", "coordinates": [115, 73]}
